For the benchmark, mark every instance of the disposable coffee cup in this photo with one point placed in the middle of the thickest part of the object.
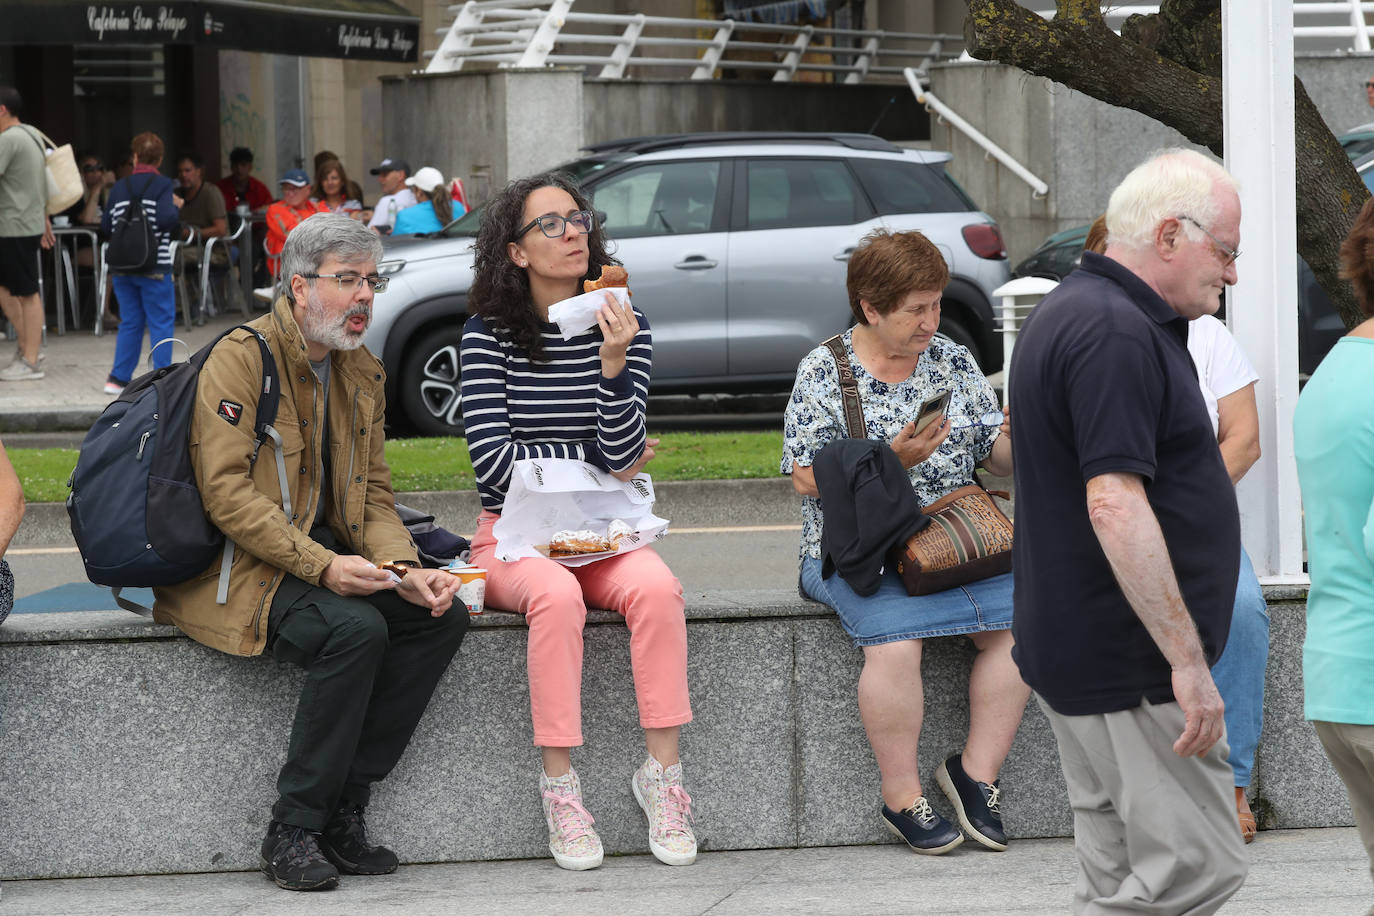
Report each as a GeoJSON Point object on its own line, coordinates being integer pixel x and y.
{"type": "Point", "coordinates": [472, 588]}
{"type": "Point", "coordinates": [61, 222]}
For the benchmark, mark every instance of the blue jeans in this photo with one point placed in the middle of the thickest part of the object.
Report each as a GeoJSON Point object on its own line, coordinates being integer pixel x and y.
{"type": "Point", "coordinates": [143, 301]}
{"type": "Point", "coordinates": [1239, 673]}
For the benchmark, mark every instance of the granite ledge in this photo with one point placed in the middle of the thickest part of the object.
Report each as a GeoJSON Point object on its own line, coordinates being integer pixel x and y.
{"type": "Point", "coordinates": [119, 626]}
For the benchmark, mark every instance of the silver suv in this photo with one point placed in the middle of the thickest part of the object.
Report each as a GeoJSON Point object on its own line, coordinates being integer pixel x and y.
{"type": "Point", "coordinates": [736, 246]}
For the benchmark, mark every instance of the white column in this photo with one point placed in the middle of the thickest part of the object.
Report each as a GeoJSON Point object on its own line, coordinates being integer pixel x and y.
{"type": "Point", "coordinates": [1257, 66]}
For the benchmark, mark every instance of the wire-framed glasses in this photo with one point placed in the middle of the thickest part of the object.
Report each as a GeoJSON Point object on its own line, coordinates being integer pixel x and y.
{"type": "Point", "coordinates": [352, 282]}
{"type": "Point", "coordinates": [1228, 254]}
{"type": "Point", "coordinates": [553, 225]}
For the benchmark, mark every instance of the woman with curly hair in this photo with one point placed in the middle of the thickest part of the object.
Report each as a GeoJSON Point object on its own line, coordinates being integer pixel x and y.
{"type": "Point", "coordinates": [528, 393]}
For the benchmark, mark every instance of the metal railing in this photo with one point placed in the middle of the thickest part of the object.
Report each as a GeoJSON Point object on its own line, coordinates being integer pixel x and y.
{"type": "Point", "coordinates": [925, 97]}
{"type": "Point", "coordinates": [1355, 28]}
{"type": "Point", "coordinates": [538, 33]}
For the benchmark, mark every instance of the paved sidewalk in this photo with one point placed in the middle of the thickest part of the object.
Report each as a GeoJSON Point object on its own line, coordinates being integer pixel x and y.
{"type": "Point", "coordinates": [69, 395]}
{"type": "Point", "coordinates": [1293, 873]}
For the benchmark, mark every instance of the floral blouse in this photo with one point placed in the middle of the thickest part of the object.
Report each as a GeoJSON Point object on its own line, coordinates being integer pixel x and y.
{"type": "Point", "coordinates": [815, 417]}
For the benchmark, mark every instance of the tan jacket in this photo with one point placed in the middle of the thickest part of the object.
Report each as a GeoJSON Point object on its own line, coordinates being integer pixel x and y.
{"type": "Point", "coordinates": [245, 501]}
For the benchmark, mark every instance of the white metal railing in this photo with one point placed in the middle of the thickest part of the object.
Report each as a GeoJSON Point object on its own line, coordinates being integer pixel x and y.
{"type": "Point", "coordinates": [538, 33]}
{"type": "Point", "coordinates": [1355, 29]}
{"type": "Point", "coordinates": [925, 97]}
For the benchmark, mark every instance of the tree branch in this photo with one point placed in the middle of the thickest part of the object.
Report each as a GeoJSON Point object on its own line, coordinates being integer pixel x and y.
{"type": "Point", "coordinates": [1172, 73]}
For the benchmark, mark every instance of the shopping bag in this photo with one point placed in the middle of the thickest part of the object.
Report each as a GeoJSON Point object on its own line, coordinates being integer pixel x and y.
{"type": "Point", "coordinates": [64, 179]}
{"type": "Point", "coordinates": [548, 495]}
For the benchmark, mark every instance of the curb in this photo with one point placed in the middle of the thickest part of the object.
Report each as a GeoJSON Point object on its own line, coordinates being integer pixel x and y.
{"type": "Point", "coordinates": [69, 419]}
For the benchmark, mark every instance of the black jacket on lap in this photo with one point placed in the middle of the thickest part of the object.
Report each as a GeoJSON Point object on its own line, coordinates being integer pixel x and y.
{"type": "Point", "coordinates": [869, 506]}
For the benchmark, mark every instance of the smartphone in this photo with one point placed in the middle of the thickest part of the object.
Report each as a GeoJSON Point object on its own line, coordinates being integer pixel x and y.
{"type": "Point", "coordinates": [930, 409]}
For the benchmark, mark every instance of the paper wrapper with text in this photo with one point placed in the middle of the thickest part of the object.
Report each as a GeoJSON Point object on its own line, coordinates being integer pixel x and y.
{"type": "Point", "coordinates": [548, 495]}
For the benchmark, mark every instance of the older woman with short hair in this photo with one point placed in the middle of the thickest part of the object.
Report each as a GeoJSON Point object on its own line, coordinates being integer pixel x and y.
{"type": "Point", "coordinates": [899, 362]}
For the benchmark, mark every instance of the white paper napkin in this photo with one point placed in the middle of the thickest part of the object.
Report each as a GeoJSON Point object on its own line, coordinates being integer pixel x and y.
{"type": "Point", "coordinates": [578, 314]}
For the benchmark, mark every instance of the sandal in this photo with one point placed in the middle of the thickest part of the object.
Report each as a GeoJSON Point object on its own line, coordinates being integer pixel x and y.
{"type": "Point", "coordinates": [1248, 826]}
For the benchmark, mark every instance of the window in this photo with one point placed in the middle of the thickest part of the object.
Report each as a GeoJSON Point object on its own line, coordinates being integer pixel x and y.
{"type": "Point", "coordinates": [789, 193]}
{"type": "Point", "coordinates": [909, 187]}
{"type": "Point", "coordinates": [667, 198]}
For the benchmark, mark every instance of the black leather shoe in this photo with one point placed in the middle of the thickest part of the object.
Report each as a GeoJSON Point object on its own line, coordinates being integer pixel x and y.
{"type": "Point", "coordinates": [292, 858]}
{"type": "Point", "coordinates": [922, 829]}
{"type": "Point", "coordinates": [344, 841]}
{"type": "Point", "coordinates": [977, 804]}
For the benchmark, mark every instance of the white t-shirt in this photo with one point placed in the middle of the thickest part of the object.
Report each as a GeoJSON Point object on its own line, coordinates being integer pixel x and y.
{"type": "Point", "coordinates": [384, 214]}
{"type": "Point", "coordinates": [1222, 368]}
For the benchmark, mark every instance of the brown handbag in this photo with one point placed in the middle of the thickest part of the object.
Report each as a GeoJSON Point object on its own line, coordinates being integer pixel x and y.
{"type": "Point", "coordinates": [968, 537]}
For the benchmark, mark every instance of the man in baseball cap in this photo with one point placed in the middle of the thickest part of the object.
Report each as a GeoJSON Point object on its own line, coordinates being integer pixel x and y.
{"type": "Point", "coordinates": [391, 174]}
{"type": "Point", "coordinates": [284, 215]}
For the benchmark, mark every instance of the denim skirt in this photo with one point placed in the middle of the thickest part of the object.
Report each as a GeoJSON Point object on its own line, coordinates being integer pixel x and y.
{"type": "Point", "coordinates": [891, 615]}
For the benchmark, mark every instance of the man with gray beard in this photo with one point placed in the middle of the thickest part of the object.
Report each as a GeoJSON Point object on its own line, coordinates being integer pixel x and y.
{"type": "Point", "coordinates": [307, 582]}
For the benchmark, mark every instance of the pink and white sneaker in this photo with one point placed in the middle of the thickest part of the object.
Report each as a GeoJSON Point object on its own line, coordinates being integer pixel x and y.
{"type": "Point", "coordinates": [669, 810]}
{"type": "Point", "coordinates": [572, 840]}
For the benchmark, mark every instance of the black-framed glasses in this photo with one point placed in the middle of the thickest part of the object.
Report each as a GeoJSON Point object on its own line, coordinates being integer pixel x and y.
{"type": "Point", "coordinates": [353, 282]}
{"type": "Point", "coordinates": [1369, 85]}
{"type": "Point", "coordinates": [1228, 254]}
{"type": "Point", "coordinates": [553, 225]}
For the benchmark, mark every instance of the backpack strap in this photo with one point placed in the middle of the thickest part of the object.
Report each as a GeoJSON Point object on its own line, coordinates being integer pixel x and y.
{"type": "Point", "coordinates": [849, 389]}
{"type": "Point", "coordinates": [269, 396]}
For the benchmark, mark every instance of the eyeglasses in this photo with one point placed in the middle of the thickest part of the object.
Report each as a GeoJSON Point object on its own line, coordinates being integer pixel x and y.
{"type": "Point", "coordinates": [553, 225]}
{"type": "Point", "coordinates": [352, 282]}
{"type": "Point", "coordinates": [1369, 85]}
{"type": "Point", "coordinates": [1228, 254]}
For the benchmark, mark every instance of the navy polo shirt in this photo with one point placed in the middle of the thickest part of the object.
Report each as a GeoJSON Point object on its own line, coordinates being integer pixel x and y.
{"type": "Point", "coordinates": [1101, 382]}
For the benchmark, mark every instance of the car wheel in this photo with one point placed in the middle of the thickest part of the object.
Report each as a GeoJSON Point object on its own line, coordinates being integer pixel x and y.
{"type": "Point", "coordinates": [956, 332]}
{"type": "Point", "coordinates": [429, 384]}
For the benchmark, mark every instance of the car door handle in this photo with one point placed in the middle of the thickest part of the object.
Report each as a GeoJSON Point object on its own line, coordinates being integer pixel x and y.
{"type": "Point", "coordinates": [844, 255]}
{"type": "Point", "coordinates": [695, 262]}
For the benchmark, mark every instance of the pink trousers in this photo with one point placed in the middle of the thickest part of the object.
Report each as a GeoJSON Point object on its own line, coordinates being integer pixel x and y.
{"type": "Point", "coordinates": [554, 599]}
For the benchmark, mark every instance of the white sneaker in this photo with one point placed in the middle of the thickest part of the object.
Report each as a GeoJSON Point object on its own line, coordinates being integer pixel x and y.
{"type": "Point", "coordinates": [114, 389]}
{"type": "Point", "coordinates": [669, 810]}
{"type": "Point", "coordinates": [19, 354]}
{"type": "Point", "coordinates": [20, 371]}
{"type": "Point", "coordinates": [266, 293]}
{"type": "Point", "coordinates": [573, 842]}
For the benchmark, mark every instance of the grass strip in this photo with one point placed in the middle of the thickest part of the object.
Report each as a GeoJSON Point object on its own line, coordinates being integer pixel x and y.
{"type": "Point", "coordinates": [442, 464]}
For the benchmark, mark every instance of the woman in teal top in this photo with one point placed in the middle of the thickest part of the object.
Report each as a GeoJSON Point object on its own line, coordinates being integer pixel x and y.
{"type": "Point", "coordinates": [1333, 432]}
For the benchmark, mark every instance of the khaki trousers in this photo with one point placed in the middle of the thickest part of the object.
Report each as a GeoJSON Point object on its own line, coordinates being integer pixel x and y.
{"type": "Point", "coordinates": [1154, 832]}
{"type": "Point", "coordinates": [1351, 751]}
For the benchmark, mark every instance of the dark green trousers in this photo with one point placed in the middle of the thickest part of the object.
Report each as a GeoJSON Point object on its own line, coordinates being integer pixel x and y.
{"type": "Point", "coordinates": [371, 664]}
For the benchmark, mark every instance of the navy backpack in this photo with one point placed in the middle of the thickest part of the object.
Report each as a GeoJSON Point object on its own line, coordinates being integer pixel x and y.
{"type": "Point", "coordinates": [135, 509]}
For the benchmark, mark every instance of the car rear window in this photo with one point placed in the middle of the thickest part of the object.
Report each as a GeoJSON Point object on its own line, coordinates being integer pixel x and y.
{"type": "Point", "coordinates": [910, 187]}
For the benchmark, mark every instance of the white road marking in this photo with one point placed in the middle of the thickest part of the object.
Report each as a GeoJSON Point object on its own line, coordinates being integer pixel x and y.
{"type": "Point", "coordinates": [734, 529]}
{"type": "Point", "coordinates": [35, 551]}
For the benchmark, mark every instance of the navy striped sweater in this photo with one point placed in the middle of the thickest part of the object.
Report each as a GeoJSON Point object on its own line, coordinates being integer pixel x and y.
{"type": "Point", "coordinates": [561, 407]}
{"type": "Point", "coordinates": [157, 203]}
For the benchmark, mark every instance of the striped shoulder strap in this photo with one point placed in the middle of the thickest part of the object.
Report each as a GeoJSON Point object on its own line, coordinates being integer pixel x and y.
{"type": "Point", "coordinates": [849, 389]}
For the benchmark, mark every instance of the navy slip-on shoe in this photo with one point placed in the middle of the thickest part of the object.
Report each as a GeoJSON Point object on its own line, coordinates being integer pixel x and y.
{"type": "Point", "coordinates": [977, 804]}
{"type": "Point", "coordinates": [922, 829]}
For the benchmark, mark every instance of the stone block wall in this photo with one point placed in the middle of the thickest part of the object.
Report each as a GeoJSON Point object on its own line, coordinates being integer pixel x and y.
{"type": "Point", "coordinates": [129, 749]}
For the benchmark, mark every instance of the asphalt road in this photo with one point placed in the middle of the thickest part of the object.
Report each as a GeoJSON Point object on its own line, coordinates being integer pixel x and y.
{"type": "Point", "coordinates": [729, 534]}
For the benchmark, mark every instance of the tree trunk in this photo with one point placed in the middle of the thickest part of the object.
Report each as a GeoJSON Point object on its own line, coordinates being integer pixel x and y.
{"type": "Point", "coordinates": [1167, 67]}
